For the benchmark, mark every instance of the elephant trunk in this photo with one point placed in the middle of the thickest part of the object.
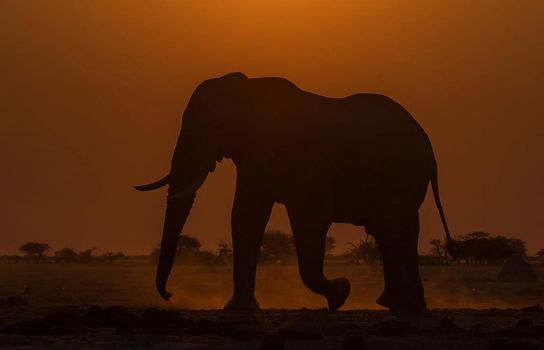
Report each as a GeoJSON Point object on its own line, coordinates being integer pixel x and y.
{"type": "Point", "coordinates": [176, 215]}
{"type": "Point", "coordinates": [191, 164]}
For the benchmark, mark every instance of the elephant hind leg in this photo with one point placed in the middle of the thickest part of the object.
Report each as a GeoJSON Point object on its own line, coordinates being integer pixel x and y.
{"type": "Point", "coordinates": [397, 238]}
{"type": "Point", "coordinates": [310, 232]}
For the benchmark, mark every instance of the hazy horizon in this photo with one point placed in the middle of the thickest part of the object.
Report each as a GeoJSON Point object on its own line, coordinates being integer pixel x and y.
{"type": "Point", "coordinates": [93, 93]}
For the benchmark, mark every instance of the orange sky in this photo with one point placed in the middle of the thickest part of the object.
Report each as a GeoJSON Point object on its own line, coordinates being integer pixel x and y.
{"type": "Point", "coordinates": [92, 92]}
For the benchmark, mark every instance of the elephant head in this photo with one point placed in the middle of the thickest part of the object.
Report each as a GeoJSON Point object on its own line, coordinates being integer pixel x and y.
{"type": "Point", "coordinates": [206, 137]}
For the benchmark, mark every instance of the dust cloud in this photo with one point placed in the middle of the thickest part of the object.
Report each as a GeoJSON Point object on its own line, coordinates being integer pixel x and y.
{"type": "Point", "coordinates": [131, 283]}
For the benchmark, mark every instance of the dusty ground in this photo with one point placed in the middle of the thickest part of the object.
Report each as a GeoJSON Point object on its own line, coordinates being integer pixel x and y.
{"type": "Point", "coordinates": [100, 306]}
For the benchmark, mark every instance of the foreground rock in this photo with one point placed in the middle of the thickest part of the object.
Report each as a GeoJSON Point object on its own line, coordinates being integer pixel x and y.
{"type": "Point", "coordinates": [125, 328]}
{"type": "Point", "coordinates": [354, 342]}
{"type": "Point", "coordinates": [502, 344]}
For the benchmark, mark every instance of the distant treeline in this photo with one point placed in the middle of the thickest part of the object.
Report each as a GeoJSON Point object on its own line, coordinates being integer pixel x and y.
{"type": "Point", "coordinates": [481, 248]}
{"type": "Point", "coordinates": [278, 249]}
{"type": "Point", "coordinates": [37, 252]}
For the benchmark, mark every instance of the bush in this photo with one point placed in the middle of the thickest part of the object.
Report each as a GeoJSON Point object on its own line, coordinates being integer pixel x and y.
{"type": "Point", "coordinates": [366, 250]}
{"type": "Point", "coordinates": [482, 248]}
{"type": "Point", "coordinates": [35, 251]}
{"type": "Point", "coordinates": [66, 255]}
{"type": "Point", "coordinates": [277, 247]}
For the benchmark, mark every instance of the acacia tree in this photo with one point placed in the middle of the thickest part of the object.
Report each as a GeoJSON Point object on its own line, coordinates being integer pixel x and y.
{"type": "Point", "coordinates": [66, 255]}
{"type": "Point", "coordinates": [110, 257]}
{"type": "Point", "coordinates": [188, 246]}
{"type": "Point", "coordinates": [438, 249]}
{"type": "Point", "coordinates": [188, 251]}
{"type": "Point", "coordinates": [518, 246]}
{"type": "Point", "coordinates": [476, 235]}
{"type": "Point", "coordinates": [277, 247]}
{"type": "Point", "coordinates": [35, 251]}
{"type": "Point", "coordinates": [482, 248]}
{"type": "Point", "coordinates": [86, 255]}
{"type": "Point", "coordinates": [366, 250]}
{"type": "Point", "coordinates": [224, 252]}
{"type": "Point", "coordinates": [330, 244]}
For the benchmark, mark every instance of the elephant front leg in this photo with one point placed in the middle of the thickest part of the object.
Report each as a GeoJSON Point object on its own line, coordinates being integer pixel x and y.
{"type": "Point", "coordinates": [310, 232]}
{"type": "Point", "coordinates": [250, 214]}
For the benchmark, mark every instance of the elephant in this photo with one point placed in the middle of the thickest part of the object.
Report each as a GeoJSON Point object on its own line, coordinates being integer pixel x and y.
{"type": "Point", "coordinates": [361, 159]}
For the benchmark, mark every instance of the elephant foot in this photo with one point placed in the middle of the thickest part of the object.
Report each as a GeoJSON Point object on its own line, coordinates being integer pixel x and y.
{"type": "Point", "coordinates": [403, 305]}
{"type": "Point", "coordinates": [384, 300]}
{"type": "Point", "coordinates": [339, 289]}
{"type": "Point", "coordinates": [245, 304]}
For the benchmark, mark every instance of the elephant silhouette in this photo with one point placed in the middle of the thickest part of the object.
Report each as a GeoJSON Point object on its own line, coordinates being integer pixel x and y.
{"type": "Point", "coordinates": [361, 159]}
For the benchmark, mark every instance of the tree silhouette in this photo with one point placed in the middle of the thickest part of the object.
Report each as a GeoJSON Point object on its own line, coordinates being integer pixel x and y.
{"type": "Point", "coordinates": [188, 252]}
{"type": "Point", "coordinates": [330, 244]}
{"type": "Point", "coordinates": [277, 247]}
{"type": "Point", "coordinates": [204, 257]}
{"type": "Point", "coordinates": [86, 255]}
{"type": "Point", "coordinates": [110, 257]}
{"type": "Point", "coordinates": [189, 249]}
{"type": "Point", "coordinates": [35, 251]}
{"type": "Point", "coordinates": [366, 250]}
{"type": "Point", "coordinates": [224, 252]}
{"type": "Point", "coordinates": [66, 255]}
{"type": "Point", "coordinates": [482, 248]}
{"type": "Point", "coordinates": [187, 246]}
{"type": "Point", "coordinates": [476, 235]}
{"type": "Point", "coordinates": [438, 249]}
{"type": "Point", "coordinates": [518, 246]}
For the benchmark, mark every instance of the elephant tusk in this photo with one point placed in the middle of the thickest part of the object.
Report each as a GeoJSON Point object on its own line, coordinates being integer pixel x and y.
{"type": "Point", "coordinates": [153, 186]}
{"type": "Point", "coordinates": [189, 190]}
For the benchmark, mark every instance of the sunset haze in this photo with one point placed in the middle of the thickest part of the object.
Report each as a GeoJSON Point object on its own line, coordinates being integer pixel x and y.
{"type": "Point", "coordinates": [93, 92]}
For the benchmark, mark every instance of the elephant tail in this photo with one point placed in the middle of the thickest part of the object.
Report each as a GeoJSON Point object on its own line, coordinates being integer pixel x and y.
{"type": "Point", "coordinates": [451, 245]}
{"type": "Point", "coordinates": [153, 186]}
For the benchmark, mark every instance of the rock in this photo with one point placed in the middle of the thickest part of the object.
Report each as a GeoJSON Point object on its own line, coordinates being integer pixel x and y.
{"type": "Point", "coordinates": [526, 329]}
{"type": "Point", "coordinates": [14, 300]}
{"type": "Point", "coordinates": [516, 269]}
{"type": "Point", "coordinates": [300, 334]}
{"type": "Point", "coordinates": [64, 317]}
{"type": "Point", "coordinates": [41, 326]}
{"type": "Point", "coordinates": [529, 291]}
{"type": "Point", "coordinates": [204, 326]}
{"type": "Point", "coordinates": [354, 342]}
{"type": "Point", "coordinates": [155, 320]}
{"type": "Point", "coordinates": [392, 327]}
{"type": "Point", "coordinates": [240, 333]}
{"type": "Point", "coordinates": [501, 344]}
{"type": "Point", "coordinates": [478, 332]}
{"type": "Point", "coordinates": [480, 325]}
{"type": "Point", "coordinates": [534, 308]}
{"type": "Point", "coordinates": [73, 321]}
{"type": "Point", "coordinates": [274, 341]}
{"type": "Point", "coordinates": [349, 326]}
{"type": "Point", "coordinates": [113, 316]}
{"type": "Point", "coordinates": [447, 325]}
{"type": "Point", "coordinates": [524, 323]}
